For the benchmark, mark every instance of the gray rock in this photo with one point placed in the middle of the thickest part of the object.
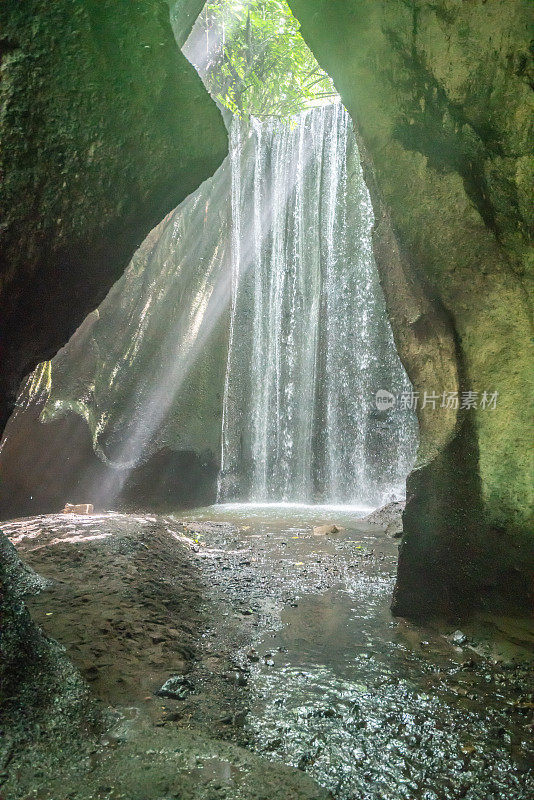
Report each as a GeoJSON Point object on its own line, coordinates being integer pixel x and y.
{"type": "Point", "coordinates": [388, 517]}
{"type": "Point", "coordinates": [458, 638]}
{"type": "Point", "coordinates": [394, 529]}
{"type": "Point", "coordinates": [176, 687]}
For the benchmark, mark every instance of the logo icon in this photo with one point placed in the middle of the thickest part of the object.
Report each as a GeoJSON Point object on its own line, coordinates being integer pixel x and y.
{"type": "Point", "coordinates": [384, 400]}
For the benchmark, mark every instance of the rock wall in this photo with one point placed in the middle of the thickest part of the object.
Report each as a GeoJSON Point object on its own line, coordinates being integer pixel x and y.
{"type": "Point", "coordinates": [441, 94]}
{"type": "Point", "coordinates": [45, 465]}
{"type": "Point", "coordinates": [104, 128]}
{"type": "Point", "coordinates": [184, 14]}
{"type": "Point", "coordinates": [129, 411]}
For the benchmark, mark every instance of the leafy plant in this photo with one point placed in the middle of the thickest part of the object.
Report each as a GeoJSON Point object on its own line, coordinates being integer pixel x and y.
{"type": "Point", "coordinates": [254, 60]}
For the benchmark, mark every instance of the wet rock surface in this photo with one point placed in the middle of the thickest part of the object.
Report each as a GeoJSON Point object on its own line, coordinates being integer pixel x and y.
{"type": "Point", "coordinates": [297, 676]}
{"type": "Point", "coordinates": [388, 517]}
{"type": "Point", "coordinates": [43, 697]}
{"type": "Point", "coordinates": [118, 587]}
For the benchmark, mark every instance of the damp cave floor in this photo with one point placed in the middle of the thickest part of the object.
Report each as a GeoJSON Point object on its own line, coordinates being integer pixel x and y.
{"type": "Point", "coordinates": [293, 679]}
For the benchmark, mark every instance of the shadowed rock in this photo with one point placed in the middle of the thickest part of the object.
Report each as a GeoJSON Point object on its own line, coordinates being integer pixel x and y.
{"type": "Point", "coordinates": [105, 127]}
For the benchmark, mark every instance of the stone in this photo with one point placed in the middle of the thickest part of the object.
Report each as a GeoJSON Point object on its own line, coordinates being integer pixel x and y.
{"type": "Point", "coordinates": [176, 687]}
{"type": "Point", "coordinates": [240, 716]}
{"type": "Point", "coordinates": [389, 517]}
{"type": "Point", "coordinates": [458, 638]}
{"type": "Point", "coordinates": [237, 678]}
{"type": "Point", "coordinates": [79, 508]}
{"type": "Point", "coordinates": [395, 529]}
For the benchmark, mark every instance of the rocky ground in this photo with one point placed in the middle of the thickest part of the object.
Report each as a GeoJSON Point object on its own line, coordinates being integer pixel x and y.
{"type": "Point", "coordinates": [248, 658]}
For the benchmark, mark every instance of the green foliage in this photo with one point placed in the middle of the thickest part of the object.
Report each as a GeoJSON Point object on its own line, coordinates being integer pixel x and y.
{"type": "Point", "coordinates": [255, 61]}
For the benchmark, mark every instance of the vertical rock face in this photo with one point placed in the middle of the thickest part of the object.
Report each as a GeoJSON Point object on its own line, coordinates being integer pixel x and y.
{"type": "Point", "coordinates": [183, 16]}
{"type": "Point", "coordinates": [441, 95]}
{"type": "Point", "coordinates": [129, 410]}
{"type": "Point", "coordinates": [104, 128]}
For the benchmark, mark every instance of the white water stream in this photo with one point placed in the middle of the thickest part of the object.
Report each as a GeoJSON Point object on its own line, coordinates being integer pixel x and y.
{"type": "Point", "coordinates": [310, 343]}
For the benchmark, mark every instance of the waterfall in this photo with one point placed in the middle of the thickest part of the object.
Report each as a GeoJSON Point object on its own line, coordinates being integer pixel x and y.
{"type": "Point", "coordinates": [310, 343]}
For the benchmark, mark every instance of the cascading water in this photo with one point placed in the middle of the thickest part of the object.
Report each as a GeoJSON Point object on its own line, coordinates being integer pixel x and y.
{"type": "Point", "coordinates": [310, 343]}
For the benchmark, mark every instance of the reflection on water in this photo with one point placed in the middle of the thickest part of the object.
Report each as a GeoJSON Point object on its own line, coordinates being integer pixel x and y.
{"type": "Point", "coordinates": [372, 707]}
{"type": "Point", "coordinates": [281, 515]}
{"type": "Point", "coordinates": [351, 701]}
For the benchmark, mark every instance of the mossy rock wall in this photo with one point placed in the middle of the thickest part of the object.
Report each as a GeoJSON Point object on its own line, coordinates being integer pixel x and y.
{"type": "Point", "coordinates": [104, 128]}
{"type": "Point", "coordinates": [441, 93]}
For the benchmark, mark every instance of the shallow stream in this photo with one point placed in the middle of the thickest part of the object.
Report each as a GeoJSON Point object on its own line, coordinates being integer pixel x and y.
{"type": "Point", "coordinates": [369, 705]}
